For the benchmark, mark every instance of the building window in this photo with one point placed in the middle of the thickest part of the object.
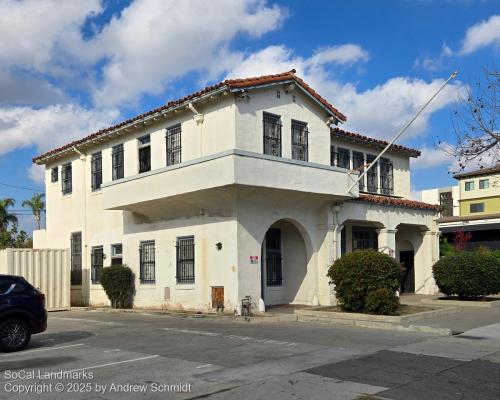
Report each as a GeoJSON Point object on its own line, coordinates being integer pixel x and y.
{"type": "Point", "coordinates": [333, 155]}
{"type": "Point", "coordinates": [358, 163]}
{"type": "Point", "coordinates": [66, 179]}
{"type": "Point", "coordinates": [117, 162]}
{"type": "Point", "coordinates": [147, 261]}
{"type": "Point", "coordinates": [54, 174]}
{"type": "Point", "coordinates": [469, 186]}
{"type": "Point", "coordinates": [97, 263]}
{"type": "Point", "coordinates": [371, 175]}
{"type": "Point", "coordinates": [76, 258]}
{"type": "Point", "coordinates": [386, 176]}
{"type": "Point", "coordinates": [274, 270]}
{"type": "Point", "coordinates": [446, 203]}
{"type": "Point", "coordinates": [476, 207]}
{"type": "Point", "coordinates": [364, 238]}
{"type": "Point", "coordinates": [117, 254]}
{"type": "Point", "coordinates": [144, 153]}
{"type": "Point", "coordinates": [272, 134]}
{"type": "Point", "coordinates": [185, 259]}
{"type": "Point", "coordinates": [96, 171]}
{"type": "Point", "coordinates": [174, 148]}
{"type": "Point", "coordinates": [343, 158]}
{"type": "Point", "coordinates": [484, 183]}
{"type": "Point", "coordinates": [300, 136]}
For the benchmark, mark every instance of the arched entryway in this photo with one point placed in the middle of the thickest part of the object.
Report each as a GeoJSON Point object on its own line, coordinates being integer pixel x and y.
{"type": "Point", "coordinates": [284, 265]}
{"type": "Point", "coordinates": [406, 256]}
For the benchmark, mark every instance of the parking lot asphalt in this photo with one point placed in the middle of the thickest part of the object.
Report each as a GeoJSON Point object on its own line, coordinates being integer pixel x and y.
{"type": "Point", "coordinates": [99, 355]}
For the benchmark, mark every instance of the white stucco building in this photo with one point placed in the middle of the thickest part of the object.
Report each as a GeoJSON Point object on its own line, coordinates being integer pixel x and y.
{"type": "Point", "coordinates": [238, 189]}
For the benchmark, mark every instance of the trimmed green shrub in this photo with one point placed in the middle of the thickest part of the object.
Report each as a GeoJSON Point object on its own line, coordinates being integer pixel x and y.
{"type": "Point", "coordinates": [468, 274]}
{"type": "Point", "coordinates": [118, 283]}
{"type": "Point", "coordinates": [358, 273]}
{"type": "Point", "coordinates": [382, 301]}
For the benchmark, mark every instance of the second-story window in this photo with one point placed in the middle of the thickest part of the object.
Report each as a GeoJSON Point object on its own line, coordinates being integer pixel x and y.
{"type": "Point", "coordinates": [371, 175]}
{"type": "Point", "coordinates": [386, 176]}
{"type": "Point", "coordinates": [117, 162]}
{"type": "Point", "coordinates": [343, 158]}
{"type": "Point", "coordinates": [174, 147]}
{"type": "Point", "coordinates": [299, 140]}
{"type": "Point", "coordinates": [66, 179]}
{"type": "Point", "coordinates": [358, 162]}
{"type": "Point", "coordinates": [96, 171]}
{"type": "Point", "coordinates": [476, 207]}
{"type": "Point", "coordinates": [54, 174]}
{"type": "Point", "coordinates": [144, 153]}
{"type": "Point", "coordinates": [484, 183]}
{"type": "Point", "coordinates": [272, 134]}
{"type": "Point", "coordinates": [469, 186]}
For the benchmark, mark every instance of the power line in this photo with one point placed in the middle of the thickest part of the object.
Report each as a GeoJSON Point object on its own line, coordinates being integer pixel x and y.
{"type": "Point", "coordinates": [21, 187]}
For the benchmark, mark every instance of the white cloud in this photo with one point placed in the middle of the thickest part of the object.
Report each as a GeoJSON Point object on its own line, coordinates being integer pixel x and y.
{"type": "Point", "coordinates": [485, 33]}
{"type": "Point", "coordinates": [432, 158]}
{"type": "Point", "coordinates": [37, 173]}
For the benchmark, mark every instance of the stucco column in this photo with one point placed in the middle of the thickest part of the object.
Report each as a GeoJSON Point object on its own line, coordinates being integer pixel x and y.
{"type": "Point", "coordinates": [387, 241]}
{"type": "Point", "coordinates": [430, 254]}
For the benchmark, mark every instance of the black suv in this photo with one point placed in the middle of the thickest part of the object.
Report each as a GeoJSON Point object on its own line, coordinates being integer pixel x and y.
{"type": "Point", "coordinates": [22, 312]}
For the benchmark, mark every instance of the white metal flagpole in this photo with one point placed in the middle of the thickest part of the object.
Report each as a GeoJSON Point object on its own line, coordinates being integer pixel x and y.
{"type": "Point", "coordinates": [402, 130]}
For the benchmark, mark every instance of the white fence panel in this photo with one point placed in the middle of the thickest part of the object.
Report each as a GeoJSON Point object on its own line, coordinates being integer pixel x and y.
{"type": "Point", "coordinates": [46, 269]}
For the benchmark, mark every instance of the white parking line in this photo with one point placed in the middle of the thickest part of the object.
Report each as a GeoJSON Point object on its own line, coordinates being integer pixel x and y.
{"type": "Point", "coordinates": [203, 366]}
{"type": "Point", "coordinates": [113, 363]}
{"type": "Point", "coordinates": [20, 353]}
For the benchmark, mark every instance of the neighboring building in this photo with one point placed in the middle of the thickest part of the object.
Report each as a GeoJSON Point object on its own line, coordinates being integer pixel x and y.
{"type": "Point", "coordinates": [238, 189]}
{"type": "Point", "coordinates": [471, 206]}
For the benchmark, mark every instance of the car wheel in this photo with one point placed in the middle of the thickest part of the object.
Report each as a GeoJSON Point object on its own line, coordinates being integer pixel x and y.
{"type": "Point", "coordinates": [15, 334]}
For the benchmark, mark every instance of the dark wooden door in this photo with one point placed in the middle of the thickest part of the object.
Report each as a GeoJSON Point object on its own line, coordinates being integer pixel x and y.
{"type": "Point", "coordinates": [217, 296]}
{"type": "Point", "coordinates": [406, 259]}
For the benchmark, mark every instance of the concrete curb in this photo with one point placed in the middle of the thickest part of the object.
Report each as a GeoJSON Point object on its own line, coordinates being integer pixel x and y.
{"type": "Point", "coordinates": [460, 303]}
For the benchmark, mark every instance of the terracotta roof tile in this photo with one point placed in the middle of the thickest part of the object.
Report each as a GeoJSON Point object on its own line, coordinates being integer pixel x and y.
{"type": "Point", "coordinates": [396, 202]}
{"type": "Point", "coordinates": [379, 144]}
{"type": "Point", "coordinates": [478, 172]}
{"type": "Point", "coordinates": [228, 84]}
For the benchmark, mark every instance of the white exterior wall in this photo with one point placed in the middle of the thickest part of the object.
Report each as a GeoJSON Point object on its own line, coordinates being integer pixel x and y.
{"type": "Point", "coordinates": [431, 196]}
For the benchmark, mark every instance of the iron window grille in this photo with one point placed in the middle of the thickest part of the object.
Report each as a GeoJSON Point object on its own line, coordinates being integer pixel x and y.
{"type": "Point", "coordinates": [446, 203]}
{"type": "Point", "coordinates": [358, 164]}
{"type": "Point", "coordinates": [117, 254]}
{"type": "Point", "coordinates": [343, 158]}
{"type": "Point", "coordinates": [144, 154]}
{"type": "Point", "coordinates": [185, 260]}
{"type": "Point", "coordinates": [371, 175]}
{"type": "Point", "coordinates": [97, 263]}
{"type": "Point", "coordinates": [76, 258]}
{"type": "Point", "coordinates": [333, 155]}
{"type": "Point", "coordinates": [147, 262]}
{"type": "Point", "coordinates": [174, 147]}
{"type": "Point", "coordinates": [300, 137]}
{"type": "Point", "coordinates": [96, 171]}
{"type": "Point", "coordinates": [386, 176]}
{"type": "Point", "coordinates": [272, 134]}
{"type": "Point", "coordinates": [364, 238]}
{"type": "Point", "coordinates": [117, 162]}
{"type": "Point", "coordinates": [54, 174]}
{"type": "Point", "coordinates": [66, 179]}
{"type": "Point", "coordinates": [274, 270]}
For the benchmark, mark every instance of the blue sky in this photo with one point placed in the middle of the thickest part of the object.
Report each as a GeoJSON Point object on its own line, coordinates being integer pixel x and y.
{"type": "Point", "coordinates": [70, 68]}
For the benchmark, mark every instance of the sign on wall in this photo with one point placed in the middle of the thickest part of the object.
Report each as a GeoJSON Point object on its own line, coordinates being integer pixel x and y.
{"type": "Point", "coordinates": [254, 259]}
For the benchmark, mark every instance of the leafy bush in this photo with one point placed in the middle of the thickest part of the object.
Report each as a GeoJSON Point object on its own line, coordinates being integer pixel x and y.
{"type": "Point", "coordinates": [357, 274]}
{"type": "Point", "coordinates": [468, 274]}
{"type": "Point", "coordinates": [118, 283]}
{"type": "Point", "coordinates": [382, 301]}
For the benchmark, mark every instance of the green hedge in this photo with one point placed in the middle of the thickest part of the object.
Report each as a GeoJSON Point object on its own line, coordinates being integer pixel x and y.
{"type": "Point", "coordinates": [468, 274]}
{"type": "Point", "coordinates": [359, 273]}
{"type": "Point", "coordinates": [118, 283]}
{"type": "Point", "coordinates": [382, 301]}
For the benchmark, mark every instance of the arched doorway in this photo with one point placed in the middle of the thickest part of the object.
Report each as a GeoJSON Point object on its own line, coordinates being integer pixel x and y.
{"type": "Point", "coordinates": [284, 266]}
{"type": "Point", "coordinates": [407, 259]}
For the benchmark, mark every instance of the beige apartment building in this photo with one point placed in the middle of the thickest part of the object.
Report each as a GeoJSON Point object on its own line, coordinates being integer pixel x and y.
{"type": "Point", "coordinates": [238, 189]}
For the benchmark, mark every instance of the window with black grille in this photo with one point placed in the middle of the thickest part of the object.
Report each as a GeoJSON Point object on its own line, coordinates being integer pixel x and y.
{"type": "Point", "coordinates": [117, 254]}
{"type": "Point", "coordinates": [66, 179]}
{"type": "Point", "coordinates": [386, 176]}
{"type": "Point", "coordinates": [117, 162]}
{"type": "Point", "coordinates": [76, 258]}
{"type": "Point", "coordinates": [333, 155]}
{"type": "Point", "coordinates": [272, 134]}
{"type": "Point", "coordinates": [174, 145]}
{"type": "Point", "coordinates": [274, 272]}
{"type": "Point", "coordinates": [358, 162]}
{"type": "Point", "coordinates": [185, 259]}
{"type": "Point", "coordinates": [54, 174]}
{"type": "Point", "coordinates": [96, 171]}
{"type": "Point", "coordinates": [343, 158]}
{"type": "Point", "coordinates": [371, 175]}
{"type": "Point", "coordinates": [364, 238]}
{"type": "Point", "coordinates": [147, 262]}
{"type": "Point", "coordinates": [299, 140]}
{"type": "Point", "coordinates": [144, 153]}
{"type": "Point", "coordinates": [97, 263]}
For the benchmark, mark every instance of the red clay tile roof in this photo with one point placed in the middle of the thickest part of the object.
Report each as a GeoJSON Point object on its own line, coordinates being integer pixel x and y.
{"type": "Point", "coordinates": [478, 172]}
{"type": "Point", "coordinates": [396, 202]}
{"type": "Point", "coordinates": [379, 144]}
{"type": "Point", "coordinates": [227, 84]}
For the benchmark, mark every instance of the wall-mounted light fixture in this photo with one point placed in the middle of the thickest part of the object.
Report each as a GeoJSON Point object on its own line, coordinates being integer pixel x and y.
{"type": "Point", "coordinates": [218, 245]}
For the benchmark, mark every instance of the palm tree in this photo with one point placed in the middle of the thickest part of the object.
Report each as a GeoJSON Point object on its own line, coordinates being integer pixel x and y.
{"type": "Point", "coordinates": [5, 216]}
{"type": "Point", "coordinates": [37, 205]}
